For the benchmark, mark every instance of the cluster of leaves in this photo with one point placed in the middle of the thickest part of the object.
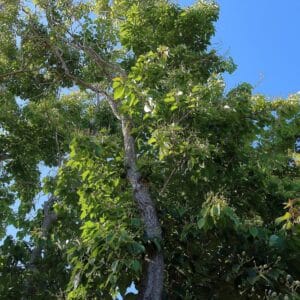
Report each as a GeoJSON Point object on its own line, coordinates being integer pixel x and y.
{"type": "Point", "coordinates": [197, 139]}
{"type": "Point", "coordinates": [216, 164]}
{"type": "Point", "coordinates": [111, 235]}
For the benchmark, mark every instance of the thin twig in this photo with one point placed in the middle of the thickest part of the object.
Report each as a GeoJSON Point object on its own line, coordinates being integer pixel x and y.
{"type": "Point", "coordinates": [167, 181]}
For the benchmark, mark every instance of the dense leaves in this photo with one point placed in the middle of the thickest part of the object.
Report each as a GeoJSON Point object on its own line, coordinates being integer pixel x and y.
{"type": "Point", "coordinates": [216, 163]}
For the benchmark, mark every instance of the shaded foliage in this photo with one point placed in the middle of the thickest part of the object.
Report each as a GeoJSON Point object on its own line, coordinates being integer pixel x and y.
{"type": "Point", "coordinates": [216, 163]}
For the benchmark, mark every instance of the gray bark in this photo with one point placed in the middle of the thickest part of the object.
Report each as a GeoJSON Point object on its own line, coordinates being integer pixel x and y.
{"type": "Point", "coordinates": [152, 284]}
{"type": "Point", "coordinates": [49, 218]}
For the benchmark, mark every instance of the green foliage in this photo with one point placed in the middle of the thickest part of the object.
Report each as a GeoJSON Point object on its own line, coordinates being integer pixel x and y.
{"type": "Point", "coordinates": [215, 211]}
{"type": "Point", "coordinates": [216, 164]}
{"type": "Point", "coordinates": [111, 233]}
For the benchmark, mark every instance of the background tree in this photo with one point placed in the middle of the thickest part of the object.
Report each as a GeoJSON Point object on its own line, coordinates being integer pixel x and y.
{"type": "Point", "coordinates": [159, 176]}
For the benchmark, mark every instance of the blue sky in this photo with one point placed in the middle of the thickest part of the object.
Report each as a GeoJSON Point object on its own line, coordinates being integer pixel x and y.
{"type": "Point", "coordinates": [262, 36]}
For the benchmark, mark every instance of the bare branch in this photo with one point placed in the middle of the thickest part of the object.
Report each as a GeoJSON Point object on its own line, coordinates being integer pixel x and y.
{"type": "Point", "coordinates": [102, 63]}
{"type": "Point", "coordinates": [93, 87]}
{"type": "Point", "coordinates": [76, 79]}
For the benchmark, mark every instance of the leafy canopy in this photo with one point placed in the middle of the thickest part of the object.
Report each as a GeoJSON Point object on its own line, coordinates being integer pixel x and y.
{"type": "Point", "coordinates": [215, 161]}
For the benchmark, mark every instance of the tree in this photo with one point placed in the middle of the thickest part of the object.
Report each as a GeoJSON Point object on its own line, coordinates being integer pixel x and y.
{"type": "Point", "coordinates": [159, 177]}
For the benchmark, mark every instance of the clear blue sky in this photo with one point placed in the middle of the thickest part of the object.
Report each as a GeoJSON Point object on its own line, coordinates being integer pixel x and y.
{"type": "Point", "coordinates": [262, 36]}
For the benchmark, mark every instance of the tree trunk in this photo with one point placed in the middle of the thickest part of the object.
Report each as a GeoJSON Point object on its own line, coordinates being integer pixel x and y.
{"type": "Point", "coordinates": [49, 218]}
{"type": "Point", "coordinates": [152, 284]}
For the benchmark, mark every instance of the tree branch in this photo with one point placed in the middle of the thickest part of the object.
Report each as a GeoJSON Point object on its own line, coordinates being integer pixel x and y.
{"type": "Point", "coordinates": [9, 74]}
{"type": "Point", "coordinates": [49, 218]}
{"type": "Point", "coordinates": [102, 63]}
{"type": "Point", "coordinates": [167, 181]}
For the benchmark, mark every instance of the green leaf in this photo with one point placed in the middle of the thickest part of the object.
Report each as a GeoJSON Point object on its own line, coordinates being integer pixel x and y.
{"type": "Point", "coordinates": [285, 217]}
{"type": "Point", "coordinates": [253, 231]}
{"type": "Point", "coordinates": [152, 140]}
{"type": "Point", "coordinates": [170, 99]}
{"type": "Point", "coordinates": [133, 100]}
{"type": "Point", "coordinates": [136, 266]}
{"type": "Point", "coordinates": [276, 241]}
{"type": "Point", "coordinates": [137, 248]}
{"type": "Point", "coordinates": [119, 92]}
{"type": "Point", "coordinates": [201, 223]}
{"type": "Point", "coordinates": [117, 82]}
{"type": "Point", "coordinates": [114, 266]}
{"type": "Point", "coordinates": [288, 225]}
{"type": "Point", "coordinates": [174, 107]}
{"type": "Point", "coordinates": [136, 222]}
{"type": "Point", "coordinates": [85, 174]}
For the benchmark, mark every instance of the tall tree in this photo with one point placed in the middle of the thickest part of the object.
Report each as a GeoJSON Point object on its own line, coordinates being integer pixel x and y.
{"type": "Point", "coordinates": [158, 176]}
